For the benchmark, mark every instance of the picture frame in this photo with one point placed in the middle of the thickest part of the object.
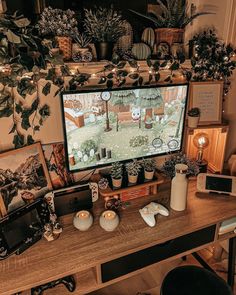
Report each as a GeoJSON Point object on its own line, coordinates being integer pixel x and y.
{"type": "Point", "coordinates": [208, 97]}
{"type": "Point", "coordinates": [23, 177]}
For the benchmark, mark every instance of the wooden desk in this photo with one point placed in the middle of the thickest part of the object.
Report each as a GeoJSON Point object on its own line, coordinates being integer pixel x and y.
{"type": "Point", "coordinates": [83, 253]}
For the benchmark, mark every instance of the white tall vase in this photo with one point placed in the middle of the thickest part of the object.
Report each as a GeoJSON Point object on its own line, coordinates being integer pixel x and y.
{"type": "Point", "coordinates": [179, 188]}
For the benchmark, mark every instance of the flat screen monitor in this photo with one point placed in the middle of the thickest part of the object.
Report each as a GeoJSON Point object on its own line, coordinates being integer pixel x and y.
{"type": "Point", "coordinates": [105, 126]}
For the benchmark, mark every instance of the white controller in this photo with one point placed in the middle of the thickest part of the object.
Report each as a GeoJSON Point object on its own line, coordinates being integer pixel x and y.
{"type": "Point", "coordinates": [148, 212]}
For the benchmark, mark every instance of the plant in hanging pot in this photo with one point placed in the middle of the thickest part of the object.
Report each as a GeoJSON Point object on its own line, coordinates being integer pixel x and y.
{"type": "Point", "coordinates": [133, 168]}
{"type": "Point", "coordinates": [171, 23]}
{"type": "Point", "coordinates": [116, 174]}
{"type": "Point", "coordinates": [60, 24]}
{"type": "Point", "coordinates": [193, 117]}
{"type": "Point", "coordinates": [149, 166]}
{"type": "Point", "coordinates": [105, 27]}
{"type": "Point", "coordinates": [80, 50]}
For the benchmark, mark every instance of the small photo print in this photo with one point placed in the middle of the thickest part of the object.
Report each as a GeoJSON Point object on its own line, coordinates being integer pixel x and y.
{"type": "Point", "coordinates": [55, 160]}
{"type": "Point", "coordinates": [23, 177]}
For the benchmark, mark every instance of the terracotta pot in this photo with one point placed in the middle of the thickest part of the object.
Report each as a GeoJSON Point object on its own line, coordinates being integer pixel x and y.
{"type": "Point", "coordinates": [133, 178]}
{"type": "Point", "coordinates": [65, 46]}
{"type": "Point", "coordinates": [169, 35]}
{"type": "Point", "coordinates": [104, 50]}
{"type": "Point", "coordinates": [116, 182]}
{"type": "Point", "coordinates": [193, 122]}
{"type": "Point", "coordinates": [148, 174]}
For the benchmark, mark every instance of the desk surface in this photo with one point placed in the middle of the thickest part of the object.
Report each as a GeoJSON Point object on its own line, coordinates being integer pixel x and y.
{"type": "Point", "coordinates": [76, 251]}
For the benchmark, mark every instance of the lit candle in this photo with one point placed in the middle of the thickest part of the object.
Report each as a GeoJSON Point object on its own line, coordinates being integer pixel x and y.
{"type": "Point", "coordinates": [83, 220]}
{"type": "Point", "coordinates": [109, 220]}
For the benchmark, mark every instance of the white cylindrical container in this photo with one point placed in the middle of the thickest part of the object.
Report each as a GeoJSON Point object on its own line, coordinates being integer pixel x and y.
{"type": "Point", "coordinates": [83, 220]}
{"type": "Point", "coordinates": [109, 220]}
{"type": "Point", "coordinates": [179, 188]}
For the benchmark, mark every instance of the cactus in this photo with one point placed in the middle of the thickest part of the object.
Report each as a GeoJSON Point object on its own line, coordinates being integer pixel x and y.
{"type": "Point", "coordinates": [116, 170]}
{"type": "Point", "coordinates": [141, 51]}
{"type": "Point", "coordinates": [125, 42]}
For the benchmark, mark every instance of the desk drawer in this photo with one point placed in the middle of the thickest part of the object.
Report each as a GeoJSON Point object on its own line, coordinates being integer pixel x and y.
{"type": "Point", "coordinates": [126, 264]}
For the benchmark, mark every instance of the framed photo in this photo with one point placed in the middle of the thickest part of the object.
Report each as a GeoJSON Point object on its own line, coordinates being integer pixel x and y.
{"type": "Point", "coordinates": [207, 96]}
{"type": "Point", "coordinates": [56, 163]}
{"type": "Point", "coordinates": [23, 177]}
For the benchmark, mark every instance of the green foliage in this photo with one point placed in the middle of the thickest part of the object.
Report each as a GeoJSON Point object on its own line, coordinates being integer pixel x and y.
{"type": "Point", "coordinates": [116, 170]}
{"type": "Point", "coordinates": [212, 58]}
{"type": "Point", "coordinates": [87, 146]}
{"type": "Point", "coordinates": [149, 164]}
{"type": "Point", "coordinates": [174, 14]}
{"type": "Point", "coordinates": [133, 168]}
{"type": "Point", "coordinates": [103, 24]}
{"type": "Point", "coordinates": [139, 140]}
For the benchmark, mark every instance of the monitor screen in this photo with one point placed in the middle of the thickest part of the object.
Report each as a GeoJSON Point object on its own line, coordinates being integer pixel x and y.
{"type": "Point", "coordinates": [102, 127]}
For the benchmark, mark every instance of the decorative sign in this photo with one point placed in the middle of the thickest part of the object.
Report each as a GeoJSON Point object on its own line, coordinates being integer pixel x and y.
{"type": "Point", "coordinates": [207, 96]}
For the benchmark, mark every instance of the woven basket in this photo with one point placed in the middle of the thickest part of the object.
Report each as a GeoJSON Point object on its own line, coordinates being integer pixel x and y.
{"type": "Point", "coordinates": [169, 35]}
{"type": "Point", "coordinates": [65, 45]}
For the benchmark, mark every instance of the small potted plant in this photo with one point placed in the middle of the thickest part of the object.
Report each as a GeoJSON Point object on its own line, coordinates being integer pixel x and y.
{"type": "Point", "coordinates": [60, 24]}
{"type": "Point", "coordinates": [149, 166]}
{"type": "Point", "coordinates": [105, 26]}
{"type": "Point", "coordinates": [193, 117]}
{"type": "Point", "coordinates": [80, 50]}
{"type": "Point", "coordinates": [133, 169]}
{"type": "Point", "coordinates": [148, 123]}
{"type": "Point", "coordinates": [116, 174]}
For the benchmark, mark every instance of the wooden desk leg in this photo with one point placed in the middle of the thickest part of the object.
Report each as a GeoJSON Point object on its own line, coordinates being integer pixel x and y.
{"type": "Point", "coordinates": [231, 262]}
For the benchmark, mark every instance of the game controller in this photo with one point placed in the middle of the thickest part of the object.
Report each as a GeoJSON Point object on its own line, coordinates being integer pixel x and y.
{"type": "Point", "coordinates": [68, 282]}
{"type": "Point", "coordinates": [94, 189]}
{"type": "Point", "coordinates": [149, 211]}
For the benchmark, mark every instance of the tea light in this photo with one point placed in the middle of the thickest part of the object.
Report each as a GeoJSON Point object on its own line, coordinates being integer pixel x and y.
{"type": "Point", "coordinates": [109, 220]}
{"type": "Point", "coordinates": [83, 220]}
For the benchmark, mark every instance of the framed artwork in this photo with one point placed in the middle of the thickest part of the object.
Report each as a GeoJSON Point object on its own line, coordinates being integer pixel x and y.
{"type": "Point", "coordinates": [55, 160]}
{"type": "Point", "coordinates": [208, 97]}
{"type": "Point", "coordinates": [23, 177]}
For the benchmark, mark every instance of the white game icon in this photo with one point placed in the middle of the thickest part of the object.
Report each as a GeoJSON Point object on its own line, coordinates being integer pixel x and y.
{"type": "Point", "coordinates": [149, 211]}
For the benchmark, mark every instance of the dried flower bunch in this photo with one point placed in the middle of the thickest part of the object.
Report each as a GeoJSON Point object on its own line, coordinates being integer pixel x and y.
{"type": "Point", "coordinates": [169, 166]}
{"type": "Point", "coordinates": [82, 39]}
{"type": "Point", "coordinates": [58, 22]}
{"type": "Point", "coordinates": [103, 24]}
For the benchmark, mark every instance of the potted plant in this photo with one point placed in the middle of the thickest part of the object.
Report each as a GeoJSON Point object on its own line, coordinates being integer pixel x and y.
{"type": "Point", "coordinates": [105, 27]}
{"type": "Point", "coordinates": [80, 50]}
{"type": "Point", "coordinates": [149, 166]}
{"type": "Point", "coordinates": [148, 122]}
{"type": "Point", "coordinates": [193, 117]}
{"type": "Point", "coordinates": [171, 23]}
{"type": "Point", "coordinates": [133, 169]}
{"type": "Point", "coordinates": [168, 167]}
{"type": "Point", "coordinates": [116, 174]}
{"type": "Point", "coordinates": [60, 24]}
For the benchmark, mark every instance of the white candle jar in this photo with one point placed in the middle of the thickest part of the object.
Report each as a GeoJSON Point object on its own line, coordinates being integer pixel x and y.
{"type": "Point", "coordinates": [83, 220]}
{"type": "Point", "coordinates": [109, 220]}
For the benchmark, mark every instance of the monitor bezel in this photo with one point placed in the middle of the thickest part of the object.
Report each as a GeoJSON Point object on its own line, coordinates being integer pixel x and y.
{"type": "Point", "coordinates": [100, 89]}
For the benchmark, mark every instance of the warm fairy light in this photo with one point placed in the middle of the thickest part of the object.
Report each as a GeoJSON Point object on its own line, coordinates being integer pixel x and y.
{"type": "Point", "coordinates": [94, 75]}
{"type": "Point", "coordinates": [113, 70]}
{"type": "Point", "coordinates": [109, 215]}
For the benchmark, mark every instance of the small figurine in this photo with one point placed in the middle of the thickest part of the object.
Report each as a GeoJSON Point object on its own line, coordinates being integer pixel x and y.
{"type": "Point", "coordinates": [103, 183]}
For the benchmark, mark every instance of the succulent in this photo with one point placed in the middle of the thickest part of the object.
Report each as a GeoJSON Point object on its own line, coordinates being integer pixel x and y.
{"type": "Point", "coordinates": [133, 167]}
{"type": "Point", "coordinates": [103, 24]}
{"type": "Point", "coordinates": [57, 22]}
{"type": "Point", "coordinates": [174, 15]}
{"type": "Point", "coordinates": [194, 112]}
{"type": "Point", "coordinates": [83, 40]}
{"type": "Point", "coordinates": [149, 164]}
{"type": "Point", "coordinates": [116, 170]}
{"type": "Point", "coordinates": [169, 166]}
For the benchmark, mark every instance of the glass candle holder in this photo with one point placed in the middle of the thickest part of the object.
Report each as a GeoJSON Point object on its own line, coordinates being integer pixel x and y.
{"type": "Point", "coordinates": [109, 220]}
{"type": "Point", "coordinates": [83, 220]}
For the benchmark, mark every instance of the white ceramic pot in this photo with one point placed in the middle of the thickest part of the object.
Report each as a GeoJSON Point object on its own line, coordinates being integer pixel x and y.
{"type": "Point", "coordinates": [116, 182]}
{"type": "Point", "coordinates": [133, 178]}
{"type": "Point", "coordinates": [148, 174]}
{"type": "Point", "coordinates": [193, 122]}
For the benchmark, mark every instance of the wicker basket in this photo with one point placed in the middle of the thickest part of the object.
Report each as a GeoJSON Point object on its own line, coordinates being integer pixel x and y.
{"type": "Point", "coordinates": [65, 45]}
{"type": "Point", "coordinates": [169, 35]}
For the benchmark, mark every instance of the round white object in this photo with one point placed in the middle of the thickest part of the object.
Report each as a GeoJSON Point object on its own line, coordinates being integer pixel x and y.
{"type": "Point", "coordinates": [85, 158]}
{"type": "Point", "coordinates": [83, 220]}
{"type": "Point", "coordinates": [92, 152]}
{"type": "Point", "coordinates": [109, 220]}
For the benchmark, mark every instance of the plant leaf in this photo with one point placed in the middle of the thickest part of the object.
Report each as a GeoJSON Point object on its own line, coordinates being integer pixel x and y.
{"type": "Point", "coordinates": [13, 129]}
{"type": "Point", "coordinates": [7, 112]}
{"type": "Point", "coordinates": [46, 89]}
{"type": "Point", "coordinates": [18, 140]}
{"type": "Point", "coordinates": [30, 140]}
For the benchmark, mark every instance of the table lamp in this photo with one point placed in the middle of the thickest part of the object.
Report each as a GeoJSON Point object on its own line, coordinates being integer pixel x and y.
{"type": "Point", "coordinates": [201, 142]}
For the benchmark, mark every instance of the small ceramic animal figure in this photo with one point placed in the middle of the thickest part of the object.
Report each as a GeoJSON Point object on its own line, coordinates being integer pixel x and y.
{"type": "Point", "coordinates": [136, 114]}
